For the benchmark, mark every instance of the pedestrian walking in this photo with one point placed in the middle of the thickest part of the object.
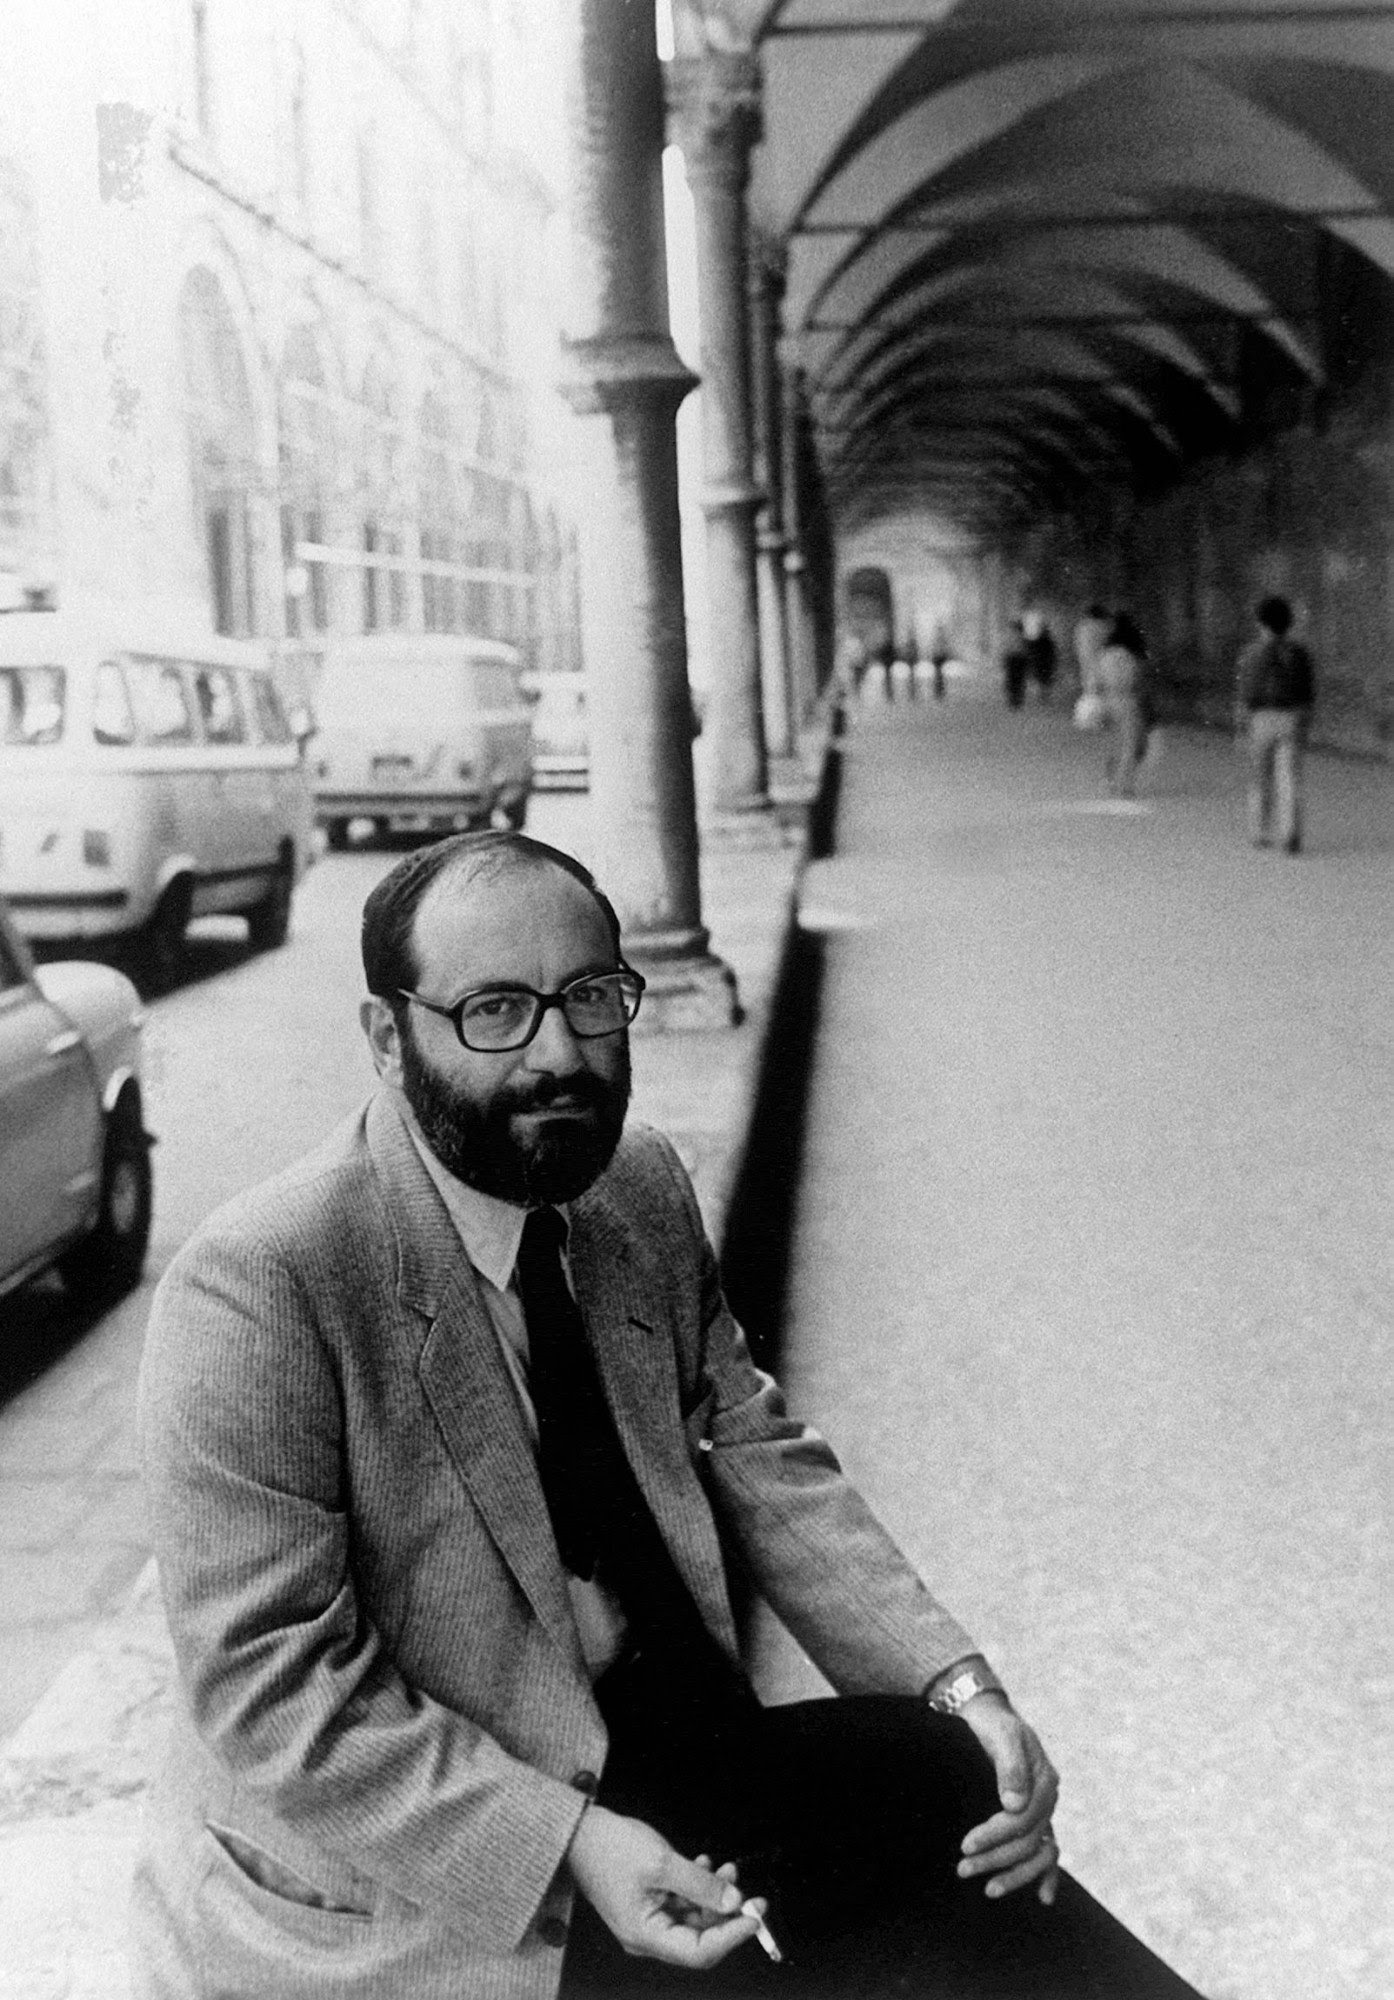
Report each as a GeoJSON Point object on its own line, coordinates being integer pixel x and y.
{"type": "Point", "coordinates": [1016, 665]}
{"type": "Point", "coordinates": [1042, 653]}
{"type": "Point", "coordinates": [1090, 636]}
{"type": "Point", "coordinates": [1118, 679]}
{"type": "Point", "coordinates": [452, 1445]}
{"type": "Point", "coordinates": [1274, 703]}
{"type": "Point", "coordinates": [940, 653]}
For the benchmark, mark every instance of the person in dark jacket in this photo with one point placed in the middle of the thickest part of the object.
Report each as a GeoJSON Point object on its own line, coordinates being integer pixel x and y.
{"type": "Point", "coordinates": [1274, 701]}
{"type": "Point", "coordinates": [1016, 665]}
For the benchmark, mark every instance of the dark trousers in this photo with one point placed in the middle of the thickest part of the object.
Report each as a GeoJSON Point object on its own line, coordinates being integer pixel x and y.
{"type": "Point", "coordinates": [847, 1814]}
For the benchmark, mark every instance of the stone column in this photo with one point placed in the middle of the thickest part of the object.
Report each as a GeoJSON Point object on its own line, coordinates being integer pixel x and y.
{"type": "Point", "coordinates": [714, 98]}
{"type": "Point", "coordinates": [624, 379]}
{"type": "Point", "coordinates": [802, 642]}
{"type": "Point", "coordinates": [766, 290]}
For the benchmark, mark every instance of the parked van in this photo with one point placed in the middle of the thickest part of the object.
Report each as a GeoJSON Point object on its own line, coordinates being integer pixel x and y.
{"type": "Point", "coordinates": [146, 777]}
{"type": "Point", "coordinates": [424, 730]}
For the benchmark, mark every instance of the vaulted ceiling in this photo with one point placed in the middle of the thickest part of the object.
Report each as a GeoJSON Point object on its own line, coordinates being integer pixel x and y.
{"type": "Point", "coordinates": [1033, 243]}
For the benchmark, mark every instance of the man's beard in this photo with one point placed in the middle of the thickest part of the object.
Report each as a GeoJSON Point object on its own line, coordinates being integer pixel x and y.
{"type": "Point", "coordinates": [555, 1163]}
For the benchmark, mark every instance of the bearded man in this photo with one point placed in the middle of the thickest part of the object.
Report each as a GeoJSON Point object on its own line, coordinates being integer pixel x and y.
{"type": "Point", "coordinates": [452, 1447]}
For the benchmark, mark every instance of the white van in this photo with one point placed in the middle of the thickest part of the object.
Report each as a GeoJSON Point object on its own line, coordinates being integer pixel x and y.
{"type": "Point", "coordinates": [146, 777]}
{"type": "Point", "coordinates": [423, 730]}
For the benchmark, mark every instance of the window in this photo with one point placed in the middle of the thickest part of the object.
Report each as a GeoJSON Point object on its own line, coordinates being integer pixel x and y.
{"type": "Point", "coordinates": [160, 701]}
{"type": "Point", "coordinates": [384, 503]}
{"type": "Point", "coordinates": [112, 720]}
{"type": "Point", "coordinates": [219, 705]}
{"type": "Point", "coordinates": [203, 75]}
{"type": "Point", "coordinates": [428, 260]}
{"type": "Point", "coordinates": [309, 465]}
{"type": "Point", "coordinates": [272, 726]}
{"type": "Point", "coordinates": [300, 126]}
{"type": "Point", "coordinates": [218, 412]}
{"type": "Point", "coordinates": [31, 705]}
{"type": "Point", "coordinates": [369, 221]}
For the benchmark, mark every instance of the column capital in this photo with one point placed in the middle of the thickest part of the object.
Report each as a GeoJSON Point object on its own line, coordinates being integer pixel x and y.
{"type": "Point", "coordinates": [619, 370]}
{"type": "Point", "coordinates": [714, 110]}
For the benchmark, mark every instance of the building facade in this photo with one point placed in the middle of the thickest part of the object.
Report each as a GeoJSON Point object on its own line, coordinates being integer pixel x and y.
{"type": "Point", "coordinates": [278, 320]}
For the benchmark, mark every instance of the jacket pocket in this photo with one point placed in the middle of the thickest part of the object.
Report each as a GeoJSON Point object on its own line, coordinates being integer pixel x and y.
{"type": "Point", "coordinates": [281, 1890]}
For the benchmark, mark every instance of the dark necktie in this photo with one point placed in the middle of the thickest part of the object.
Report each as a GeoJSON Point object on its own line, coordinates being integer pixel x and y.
{"type": "Point", "coordinates": [599, 1515]}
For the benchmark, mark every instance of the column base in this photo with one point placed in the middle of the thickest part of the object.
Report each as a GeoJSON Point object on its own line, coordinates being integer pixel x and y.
{"type": "Point", "coordinates": [686, 995]}
{"type": "Point", "coordinates": [754, 831]}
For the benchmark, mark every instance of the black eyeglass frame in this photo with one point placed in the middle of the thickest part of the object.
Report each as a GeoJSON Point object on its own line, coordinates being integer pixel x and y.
{"type": "Point", "coordinates": [455, 1013]}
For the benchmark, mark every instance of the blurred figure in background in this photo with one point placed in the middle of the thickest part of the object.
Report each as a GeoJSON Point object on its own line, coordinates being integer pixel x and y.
{"type": "Point", "coordinates": [1089, 638]}
{"type": "Point", "coordinates": [940, 653]}
{"type": "Point", "coordinates": [1274, 699]}
{"type": "Point", "coordinates": [1016, 665]}
{"type": "Point", "coordinates": [1041, 651]}
{"type": "Point", "coordinates": [1119, 679]}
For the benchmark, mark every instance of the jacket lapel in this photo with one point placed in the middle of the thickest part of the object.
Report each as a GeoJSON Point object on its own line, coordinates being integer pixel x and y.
{"type": "Point", "coordinates": [465, 1379]}
{"type": "Point", "coordinates": [618, 1289]}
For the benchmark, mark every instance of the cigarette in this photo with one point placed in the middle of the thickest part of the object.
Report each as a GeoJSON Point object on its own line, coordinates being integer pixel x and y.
{"type": "Point", "coordinates": [763, 1935]}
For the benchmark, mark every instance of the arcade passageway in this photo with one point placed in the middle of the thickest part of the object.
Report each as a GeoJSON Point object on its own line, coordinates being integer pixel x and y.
{"type": "Point", "coordinates": [1090, 1287]}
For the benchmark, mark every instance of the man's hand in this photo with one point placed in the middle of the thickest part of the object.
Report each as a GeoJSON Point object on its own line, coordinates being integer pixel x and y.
{"type": "Point", "coordinates": [657, 1904]}
{"type": "Point", "coordinates": [1017, 1845]}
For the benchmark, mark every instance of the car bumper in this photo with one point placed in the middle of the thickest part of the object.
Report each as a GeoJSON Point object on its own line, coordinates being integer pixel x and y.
{"type": "Point", "coordinates": [77, 913]}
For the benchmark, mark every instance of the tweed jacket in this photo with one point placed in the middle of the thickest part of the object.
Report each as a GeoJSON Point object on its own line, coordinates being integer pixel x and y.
{"type": "Point", "coordinates": [385, 1735]}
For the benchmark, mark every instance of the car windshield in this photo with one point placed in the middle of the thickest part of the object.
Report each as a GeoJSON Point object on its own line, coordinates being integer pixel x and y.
{"type": "Point", "coordinates": [31, 704]}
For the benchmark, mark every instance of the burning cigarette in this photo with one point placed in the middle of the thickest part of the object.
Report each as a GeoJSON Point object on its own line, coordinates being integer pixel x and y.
{"type": "Point", "coordinates": [763, 1935]}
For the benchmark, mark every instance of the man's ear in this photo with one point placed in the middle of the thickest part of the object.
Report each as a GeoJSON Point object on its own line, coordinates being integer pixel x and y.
{"type": "Point", "coordinates": [380, 1026]}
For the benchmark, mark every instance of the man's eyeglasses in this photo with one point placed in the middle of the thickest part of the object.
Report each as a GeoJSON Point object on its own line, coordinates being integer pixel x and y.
{"type": "Point", "coordinates": [499, 1018]}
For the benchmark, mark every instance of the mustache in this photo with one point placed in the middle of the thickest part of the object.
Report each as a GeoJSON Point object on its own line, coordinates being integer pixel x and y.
{"type": "Point", "coordinates": [584, 1088]}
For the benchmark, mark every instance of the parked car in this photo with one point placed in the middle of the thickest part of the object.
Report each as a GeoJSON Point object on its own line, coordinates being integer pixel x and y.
{"type": "Point", "coordinates": [148, 775]}
{"type": "Point", "coordinates": [560, 743]}
{"type": "Point", "coordinates": [423, 731]}
{"type": "Point", "coordinates": [74, 1154]}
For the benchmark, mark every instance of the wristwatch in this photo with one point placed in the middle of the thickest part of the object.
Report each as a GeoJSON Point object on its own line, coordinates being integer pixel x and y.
{"type": "Point", "coordinates": [960, 1690]}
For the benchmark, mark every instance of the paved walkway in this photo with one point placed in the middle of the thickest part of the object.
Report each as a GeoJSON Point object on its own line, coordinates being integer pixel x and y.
{"type": "Point", "coordinates": [1091, 1288]}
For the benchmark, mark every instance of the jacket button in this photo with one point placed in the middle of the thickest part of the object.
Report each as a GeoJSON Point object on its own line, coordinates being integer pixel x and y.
{"type": "Point", "coordinates": [587, 1782]}
{"type": "Point", "coordinates": [552, 1930]}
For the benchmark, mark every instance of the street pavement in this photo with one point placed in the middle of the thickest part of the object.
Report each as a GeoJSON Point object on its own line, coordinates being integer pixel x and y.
{"type": "Point", "coordinates": [1091, 1288]}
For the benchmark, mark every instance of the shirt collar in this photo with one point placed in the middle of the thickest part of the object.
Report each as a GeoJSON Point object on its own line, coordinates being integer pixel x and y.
{"type": "Point", "coordinates": [490, 1229]}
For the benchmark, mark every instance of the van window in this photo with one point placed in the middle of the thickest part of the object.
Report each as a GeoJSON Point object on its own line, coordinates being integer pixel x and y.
{"type": "Point", "coordinates": [219, 705]}
{"type": "Point", "coordinates": [272, 726]}
{"type": "Point", "coordinates": [160, 701]}
{"type": "Point", "coordinates": [31, 704]}
{"type": "Point", "coordinates": [112, 720]}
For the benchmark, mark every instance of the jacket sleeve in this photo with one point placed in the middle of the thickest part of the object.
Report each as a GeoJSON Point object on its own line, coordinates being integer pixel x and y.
{"type": "Point", "coordinates": [799, 1528]}
{"type": "Point", "coordinates": [288, 1683]}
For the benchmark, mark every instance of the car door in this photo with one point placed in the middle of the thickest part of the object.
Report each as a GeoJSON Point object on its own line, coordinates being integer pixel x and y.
{"type": "Point", "coordinates": [50, 1121]}
{"type": "Point", "coordinates": [234, 780]}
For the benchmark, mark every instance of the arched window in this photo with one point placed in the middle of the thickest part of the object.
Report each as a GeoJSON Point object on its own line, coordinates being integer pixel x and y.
{"type": "Point", "coordinates": [383, 505]}
{"type": "Point", "coordinates": [25, 523]}
{"type": "Point", "coordinates": [439, 510]}
{"type": "Point", "coordinates": [222, 451]}
{"type": "Point", "coordinates": [308, 469]}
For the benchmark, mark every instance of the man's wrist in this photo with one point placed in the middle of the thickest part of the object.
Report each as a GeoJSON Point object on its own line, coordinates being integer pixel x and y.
{"type": "Point", "coordinates": [951, 1691]}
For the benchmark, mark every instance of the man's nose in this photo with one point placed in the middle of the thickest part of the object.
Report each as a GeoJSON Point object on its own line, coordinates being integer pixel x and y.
{"type": "Point", "coordinates": [555, 1046]}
